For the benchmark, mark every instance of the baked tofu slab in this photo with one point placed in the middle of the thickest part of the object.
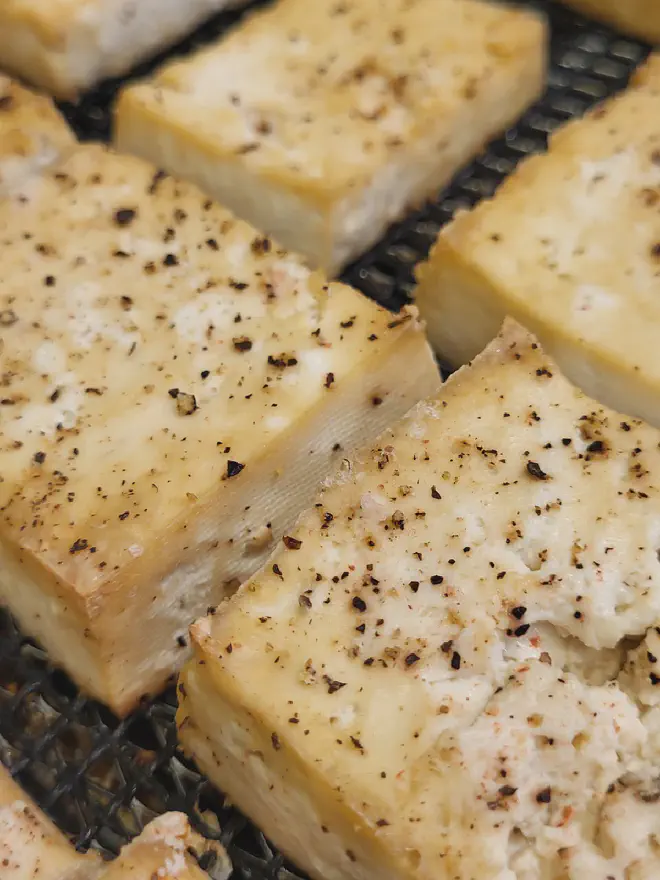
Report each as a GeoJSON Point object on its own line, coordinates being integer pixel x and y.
{"type": "Point", "coordinates": [32, 848]}
{"type": "Point", "coordinates": [174, 387]}
{"type": "Point", "coordinates": [418, 685]}
{"type": "Point", "coordinates": [639, 18]}
{"type": "Point", "coordinates": [67, 46]}
{"type": "Point", "coordinates": [324, 122]}
{"type": "Point", "coordinates": [570, 246]}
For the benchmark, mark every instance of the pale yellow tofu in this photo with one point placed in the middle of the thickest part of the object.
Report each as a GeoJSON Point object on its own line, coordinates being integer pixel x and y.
{"type": "Point", "coordinates": [174, 386]}
{"type": "Point", "coordinates": [33, 135]}
{"type": "Point", "coordinates": [323, 122]}
{"type": "Point", "coordinates": [32, 848]}
{"type": "Point", "coordinates": [639, 18]}
{"type": "Point", "coordinates": [66, 46]}
{"type": "Point", "coordinates": [418, 686]}
{"type": "Point", "coordinates": [570, 246]}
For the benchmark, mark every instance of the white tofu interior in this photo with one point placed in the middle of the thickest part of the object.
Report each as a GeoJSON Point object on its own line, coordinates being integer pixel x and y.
{"type": "Point", "coordinates": [422, 683]}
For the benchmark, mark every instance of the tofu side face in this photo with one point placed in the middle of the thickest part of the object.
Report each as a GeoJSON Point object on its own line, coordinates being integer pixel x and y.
{"type": "Point", "coordinates": [33, 135]}
{"type": "Point", "coordinates": [570, 246]}
{"type": "Point", "coordinates": [173, 385]}
{"type": "Point", "coordinates": [422, 671]}
{"type": "Point", "coordinates": [66, 46]}
{"type": "Point", "coordinates": [341, 116]}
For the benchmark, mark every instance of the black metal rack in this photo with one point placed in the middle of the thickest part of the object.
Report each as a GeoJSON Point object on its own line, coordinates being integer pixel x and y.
{"type": "Point", "coordinates": [101, 779]}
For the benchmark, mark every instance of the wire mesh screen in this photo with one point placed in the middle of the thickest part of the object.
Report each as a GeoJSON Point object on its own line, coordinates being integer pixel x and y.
{"type": "Point", "coordinates": [102, 779]}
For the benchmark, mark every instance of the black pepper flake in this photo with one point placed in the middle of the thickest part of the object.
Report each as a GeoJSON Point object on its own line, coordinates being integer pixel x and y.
{"type": "Point", "coordinates": [381, 823]}
{"type": "Point", "coordinates": [654, 679]}
{"type": "Point", "coordinates": [329, 380]}
{"type": "Point", "coordinates": [359, 604]}
{"type": "Point", "coordinates": [6, 102]}
{"type": "Point", "coordinates": [507, 791]}
{"type": "Point", "coordinates": [534, 470]}
{"type": "Point", "coordinates": [597, 446]}
{"type": "Point", "coordinates": [376, 401]}
{"type": "Point", "coordinates": [124, 216]}
{"type": "Point", "coordinates": [411, 659]}
{"type": "Point", "coordinates": [521, 630]}
{"type": "Point", "coordinates": [126, 302]}
{"type": "Point", "coordinates": [260, 245]}
{"type": "Point", "coordinates": [544, 796]}
{"type": "Point", "coordinates": [356, 742]}
{"type": "Point", "coordinates": [519, 612]}
{"type": "Point", "coordinates": [282, 361]}
{"type": "Point", "coordinates": [291, 543]}
{"type": "Point", "coordinates": [49, 281]}
{"type": "Point", "coordinates": [435, 494]}
{"type": "Point", "coordinates": [414, 586]}
{"type": "Point", "coordinates": [186, 404]}
{"type": "Point", "coordinates": [456, 660]}
{"type": "Point", "coordinates": [274, 738]}
{"type": "Point", "coordinates": [205, 374]}
{"type": "Point", "coordinates": [8, 318]}
{"type": "Point", "coordinates": [124, 515]}
{"type": "Point", "coordinates": [333, 686]}
{"type": "Point", "coordinates": [242, 343]}
{"type": "Point", "coordinates": [436, 579]}
{"type": "Point", "coordinates": [78, 545]}
{"type": "Point", "coordinates": [566, 441]}
{"type": "Point", "coordinates": [446, 647]}
{"type": "Point", "coordinates": [39, 457]}
{"type": "Point", "coordinates": [304, 601]}
{"type": "Point", "coordinates": [278, 571]}
{"type": "Point", "coordinates": [234, 468]}
{"type": "Point", "coordinates": [170, 260]}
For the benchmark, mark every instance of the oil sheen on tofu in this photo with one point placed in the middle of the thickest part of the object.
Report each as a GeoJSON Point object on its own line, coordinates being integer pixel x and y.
{"type": "Point", "coordinates": [324, 122]}
{"type": "Point", "coordinates": [174, 386]}
{"type": "Point", "coordinates": [570, 246]}
{"type": "Point", "coordinates": [422, 683]}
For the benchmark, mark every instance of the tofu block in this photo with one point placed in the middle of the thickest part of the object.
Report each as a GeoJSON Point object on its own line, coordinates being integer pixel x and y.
{"type": "Point", "coordinates": [419, 684]}
{"type": "Point", "coordinates": [67, 46]}
{"type": "Point", "coordinates": [323, 123]}
{"type": "Point", "coordinates": [32, 848]}
{"type": "Point", "coordinates": [174, 386]}
{"type": "Point", "coordinates": [33, 135]}
{"type": "Point", "coordinates": [639, 18]}
{"type": "Point", "coordinates": [570, 246]}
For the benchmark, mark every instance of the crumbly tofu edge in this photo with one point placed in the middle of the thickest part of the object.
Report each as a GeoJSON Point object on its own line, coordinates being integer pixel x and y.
{"type": "Point", "coordinates": [68, 52]}
{"type": "Point", "coordinates": [100, 636]}
{"type": "Point", "coordinates": [331, 227]}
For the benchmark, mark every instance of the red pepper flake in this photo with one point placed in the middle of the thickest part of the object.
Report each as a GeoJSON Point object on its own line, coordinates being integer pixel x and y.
{"type": "Point", "coordinates": [291, 543]}
{"type": "Point", "coordinates": [234, 468]}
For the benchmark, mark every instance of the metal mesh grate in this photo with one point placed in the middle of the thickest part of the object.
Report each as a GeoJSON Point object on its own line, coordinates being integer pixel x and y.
{"type": "Point", "coordinates": [102, 779]}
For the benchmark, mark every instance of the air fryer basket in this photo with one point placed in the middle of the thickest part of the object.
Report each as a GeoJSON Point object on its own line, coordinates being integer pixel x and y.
{"type": "Point", "coordinates": [102, 779]}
